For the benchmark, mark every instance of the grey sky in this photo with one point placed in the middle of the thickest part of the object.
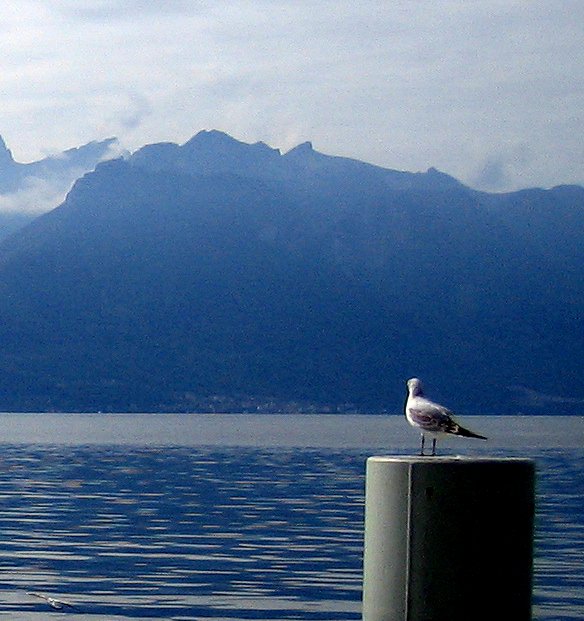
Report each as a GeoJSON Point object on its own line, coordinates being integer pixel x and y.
{"type": "Point", "coordinates": [490, 91]}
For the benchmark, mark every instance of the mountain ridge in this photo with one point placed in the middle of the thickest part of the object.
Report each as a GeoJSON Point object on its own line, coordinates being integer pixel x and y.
{"type": "Point", "coordinates": [226, 275]}
{"type": "Point", "coordinates": [214, 152]}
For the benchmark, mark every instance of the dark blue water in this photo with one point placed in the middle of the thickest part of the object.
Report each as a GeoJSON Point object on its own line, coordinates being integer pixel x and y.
{"type": "Point", "coordinates": [139, 531]}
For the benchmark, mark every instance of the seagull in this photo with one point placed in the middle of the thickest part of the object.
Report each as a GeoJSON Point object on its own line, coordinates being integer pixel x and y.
{"type": "Point", "coordinates": [57, 604]}
{"type": "Point", "coordinates": [431, 418]}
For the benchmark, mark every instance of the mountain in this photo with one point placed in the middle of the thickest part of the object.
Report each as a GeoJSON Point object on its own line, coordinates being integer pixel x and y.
{"type": "Point", "coordinates": [29, 189]}
{"type": "Point", "coordinates": [218, 275]}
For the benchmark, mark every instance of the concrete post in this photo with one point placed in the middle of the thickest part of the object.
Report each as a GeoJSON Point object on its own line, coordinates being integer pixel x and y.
{"type": "Point", "coordinates": [448, 539]}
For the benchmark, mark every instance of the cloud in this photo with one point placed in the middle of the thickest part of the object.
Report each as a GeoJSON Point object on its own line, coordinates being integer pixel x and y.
{"type": "Point", "coordinates": [499, 170]}
{"type": "Point", "coordinates": [404, 84]}
{"type": "Point", "coordinates": [138, 108]}
{"type": "Point", "coordinates": [35, 197]}
{"type": "Point", "coordinates": [37, 194]}
{"type": "Point", "coordinates": [106, 10]}
{"type": "Point", "coordinates": [493, 175]}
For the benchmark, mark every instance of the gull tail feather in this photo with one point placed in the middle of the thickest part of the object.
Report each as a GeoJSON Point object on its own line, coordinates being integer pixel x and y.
{"type": "Point", "coordinates": [466, 433]}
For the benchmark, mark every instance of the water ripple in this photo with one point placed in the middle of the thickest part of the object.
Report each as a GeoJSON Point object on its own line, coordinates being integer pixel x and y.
{"type": "Point", "coordinates": [138, 532]}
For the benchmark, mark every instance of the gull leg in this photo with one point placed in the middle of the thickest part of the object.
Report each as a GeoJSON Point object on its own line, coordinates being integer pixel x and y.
{"type": "Point", "coordinates": [422, 447]}
{"type": "Point", "coordinates": [433, 446]}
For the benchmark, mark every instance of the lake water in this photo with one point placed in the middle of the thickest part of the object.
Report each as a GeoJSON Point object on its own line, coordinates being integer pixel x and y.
{"type": "Point", "coordinates": [238, 517]}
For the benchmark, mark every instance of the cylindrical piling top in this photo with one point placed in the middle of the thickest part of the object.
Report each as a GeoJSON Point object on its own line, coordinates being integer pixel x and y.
{"type": "Point", "coordinates": [414, 459]}
{"type": "Point", "coordinates": [448, 537]}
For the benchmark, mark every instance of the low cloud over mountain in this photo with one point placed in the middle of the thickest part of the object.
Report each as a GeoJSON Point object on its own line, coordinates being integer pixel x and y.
{"type": "Point", "coordinates": [26, 190]}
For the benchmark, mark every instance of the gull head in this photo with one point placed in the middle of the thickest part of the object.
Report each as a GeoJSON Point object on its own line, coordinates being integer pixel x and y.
{"type": "Point", "coordinates": [414, 387]}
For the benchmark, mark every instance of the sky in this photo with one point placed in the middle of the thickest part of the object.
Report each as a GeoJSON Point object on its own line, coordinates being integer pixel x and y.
{"type": "Point", "coordinates": [489, 91]}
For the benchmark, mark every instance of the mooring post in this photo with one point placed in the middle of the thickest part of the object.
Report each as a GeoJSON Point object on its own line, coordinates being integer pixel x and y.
{"type": "Point", "coordinates": [448, 539]}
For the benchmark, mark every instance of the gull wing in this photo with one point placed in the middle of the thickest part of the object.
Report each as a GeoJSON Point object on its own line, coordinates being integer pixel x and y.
{"type": "Point", "coordinates": [430, 416]}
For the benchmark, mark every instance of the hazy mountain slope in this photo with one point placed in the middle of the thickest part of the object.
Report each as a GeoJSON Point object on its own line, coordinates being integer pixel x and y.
{"type": "Point", "coordinates": [26, 190]}
{"type": "Point", "coordinates": [219, 273]}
